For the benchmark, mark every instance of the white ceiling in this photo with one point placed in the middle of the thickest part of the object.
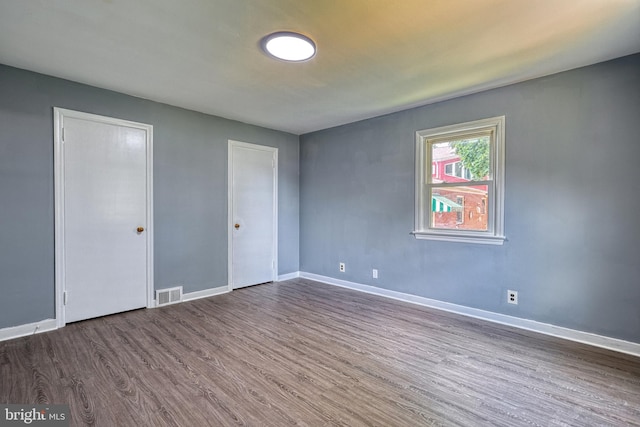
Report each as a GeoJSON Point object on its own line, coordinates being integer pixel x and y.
{"type": "Point", "coordinates": [374, 56]}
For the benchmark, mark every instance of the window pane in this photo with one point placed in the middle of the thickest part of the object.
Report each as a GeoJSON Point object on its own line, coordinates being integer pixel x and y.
{"type": "Point", "coordinates": [457, 171]}
{"type": "Point", "coordinates": [460, 212]}
{"type": "Point", "coordinates": [460, 208]}
{"type": "Point", "coordinates": [461, 160]}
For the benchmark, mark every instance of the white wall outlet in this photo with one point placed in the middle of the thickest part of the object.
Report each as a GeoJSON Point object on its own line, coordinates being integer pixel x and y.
{"type": "Point", "coordinates": [512, 297]}
{"type": "Point", "coordinates": [342, 267]}
{"type": "Point", "coordinates": [375, 273]}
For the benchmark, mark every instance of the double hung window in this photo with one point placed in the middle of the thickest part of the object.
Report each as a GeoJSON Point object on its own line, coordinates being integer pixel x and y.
{"type": "Point", "coordinates": [460, 182]}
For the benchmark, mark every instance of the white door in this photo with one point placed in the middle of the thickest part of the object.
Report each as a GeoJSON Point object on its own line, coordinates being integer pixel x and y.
{"type": "Point", "coordinates": [104, 214]}
{"type": "Point", "coordinates": [252, 214]}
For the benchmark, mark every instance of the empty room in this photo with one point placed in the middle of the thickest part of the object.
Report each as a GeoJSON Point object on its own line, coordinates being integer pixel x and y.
{"type": "Point", "coordinates": [354, 213]}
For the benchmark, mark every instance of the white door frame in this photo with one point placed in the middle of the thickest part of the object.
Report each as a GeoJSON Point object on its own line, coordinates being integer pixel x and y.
{"type": "Point", "coordinates": [230, 220]}
{"type": "Point", "coordinates": [59, 115]}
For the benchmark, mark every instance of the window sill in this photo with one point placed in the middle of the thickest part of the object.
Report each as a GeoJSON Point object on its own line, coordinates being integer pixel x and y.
{"type": "Point", "coordinates": [458, 237]}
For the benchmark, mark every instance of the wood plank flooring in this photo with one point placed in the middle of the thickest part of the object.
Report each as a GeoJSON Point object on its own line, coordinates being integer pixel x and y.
{"type": "Point", "coordinates": [309, 354]}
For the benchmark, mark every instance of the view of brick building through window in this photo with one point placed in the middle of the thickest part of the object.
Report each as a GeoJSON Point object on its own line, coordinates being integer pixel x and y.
{"type": "Point", "coordinates": [463, 206]}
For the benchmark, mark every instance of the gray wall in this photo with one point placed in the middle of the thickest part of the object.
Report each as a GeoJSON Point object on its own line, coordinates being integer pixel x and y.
{"type": "Point", "coordinates": [190, 189]}
{"type": "Point", "coordinates": [572, 198]}
{"type": "Point", "coordinates": [572, 203]}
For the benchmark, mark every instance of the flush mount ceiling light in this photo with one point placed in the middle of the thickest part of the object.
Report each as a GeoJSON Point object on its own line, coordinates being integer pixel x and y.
{"type": "Point", "coordinates": [289, 46]}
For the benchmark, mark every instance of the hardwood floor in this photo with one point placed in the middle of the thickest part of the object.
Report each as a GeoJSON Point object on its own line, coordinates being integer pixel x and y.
{"type": "Point", "coordinates": [305, 353]}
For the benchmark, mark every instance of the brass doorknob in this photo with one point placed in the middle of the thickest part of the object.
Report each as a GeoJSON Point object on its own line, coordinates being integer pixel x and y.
{"type": "Point", "coordinates": [140, 229]}
{"type": "Point", "coordinates": [237, 226]}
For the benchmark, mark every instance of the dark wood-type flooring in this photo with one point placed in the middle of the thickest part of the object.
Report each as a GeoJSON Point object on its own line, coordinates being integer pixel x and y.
{"type": "Point", "coordinates": [305, 353]}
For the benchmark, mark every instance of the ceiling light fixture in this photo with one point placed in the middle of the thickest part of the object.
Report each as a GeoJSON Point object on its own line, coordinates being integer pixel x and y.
{"type": "Point", "coordinates": [289, 46]}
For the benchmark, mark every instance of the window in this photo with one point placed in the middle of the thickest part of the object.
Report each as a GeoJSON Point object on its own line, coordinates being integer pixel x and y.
{"type": "Point", "coordinates": [458, 170]}
{"type": "Point", "coordinates": [467, 175]}
{"type": "Point", "coordinates": [460, 211]}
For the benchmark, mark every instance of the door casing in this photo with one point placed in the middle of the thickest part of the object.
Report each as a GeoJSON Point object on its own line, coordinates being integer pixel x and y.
{"type": "Point", "coordinates": [59, 163]}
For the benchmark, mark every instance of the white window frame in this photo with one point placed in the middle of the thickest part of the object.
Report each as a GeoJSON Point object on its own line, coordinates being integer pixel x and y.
{"type": "Point", "coordinates": [495, 204]}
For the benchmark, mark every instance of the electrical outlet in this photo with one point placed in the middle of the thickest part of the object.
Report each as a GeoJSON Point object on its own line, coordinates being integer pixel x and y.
{"type": "Point", "coordinates": [375, 273]}
{"type": "Point", "coordinates": [512, 297]}
{"type": "Point", "coordinates": [342, 267]}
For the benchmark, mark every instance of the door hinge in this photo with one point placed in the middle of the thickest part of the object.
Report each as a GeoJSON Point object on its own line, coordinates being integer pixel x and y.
{"type": "Point", "coordinates": [63, 134]}
{"type": "Point", "coordinates": [64, 298]}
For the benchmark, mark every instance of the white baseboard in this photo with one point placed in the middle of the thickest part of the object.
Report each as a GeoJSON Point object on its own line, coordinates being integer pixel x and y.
{"type": "Point", "coordinates": [205, 293]}
{"type": "Point", "coordinates": [503, 319]}
{"type": "Point", "coordinates": [289, 276]}
{"type": "Point", "coordinates": [28, 329]}
{"type": "Point", "coordinates": [190, 296]}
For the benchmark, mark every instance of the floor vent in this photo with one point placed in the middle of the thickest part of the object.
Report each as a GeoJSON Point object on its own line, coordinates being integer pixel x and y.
{"type": "Point", "coordinates": [168, 296]}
